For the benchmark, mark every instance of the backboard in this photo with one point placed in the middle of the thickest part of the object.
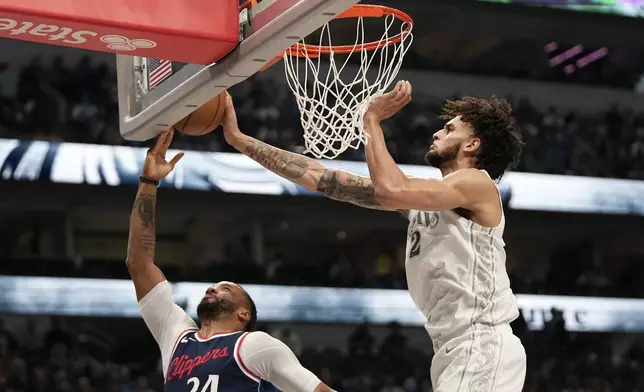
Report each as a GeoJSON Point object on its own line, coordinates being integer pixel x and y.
{"type": "Point", "coordinates": [149, 104]}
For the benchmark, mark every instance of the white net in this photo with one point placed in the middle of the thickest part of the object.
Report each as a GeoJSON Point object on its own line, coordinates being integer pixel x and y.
{"type": "Point", "coordinates": [332, 97]}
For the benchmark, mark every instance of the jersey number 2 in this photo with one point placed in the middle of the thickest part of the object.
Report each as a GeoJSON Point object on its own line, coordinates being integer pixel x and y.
{"type": "Point", "coordinates": [415, 244]}
{"type": "Point", "coordinates": [210, 386]}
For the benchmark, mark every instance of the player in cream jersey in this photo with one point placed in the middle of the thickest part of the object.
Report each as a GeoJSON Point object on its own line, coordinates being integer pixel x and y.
{"type": "Point", "coordinates": [455, 257]}
{"type": "Point", "coordinates": [457, 278]}
{"type": "Point", "coordinates": [456, 273]}
{"type": "Point", "coordinates": [456, 263]}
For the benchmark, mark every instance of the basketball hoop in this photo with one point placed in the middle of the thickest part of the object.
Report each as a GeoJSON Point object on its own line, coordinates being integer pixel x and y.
{"type": "Point", "coordinates": [333, 101]}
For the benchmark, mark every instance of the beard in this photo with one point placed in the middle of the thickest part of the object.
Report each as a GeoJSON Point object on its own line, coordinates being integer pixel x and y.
{"type": "Point", "coordinates": [440, 159]}
{"type": "Point", "coordinates": [212, 310]}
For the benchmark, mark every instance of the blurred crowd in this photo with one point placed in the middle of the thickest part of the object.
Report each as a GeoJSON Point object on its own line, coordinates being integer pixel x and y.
{"type": "Point", "coordinates": [73, 357]}
{"type": "Point", "coordinates": [573, 270]}
{"type": "Point", "coordinates": [79, 104]}
{"type": "Point", "coordinates": [566, 272]}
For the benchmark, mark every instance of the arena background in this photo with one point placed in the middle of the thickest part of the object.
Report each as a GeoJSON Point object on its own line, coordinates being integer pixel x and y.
{"type": "Point", "coordinates": [328, 277]}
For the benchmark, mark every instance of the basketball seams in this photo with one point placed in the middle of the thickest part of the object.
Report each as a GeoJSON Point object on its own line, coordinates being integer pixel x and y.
{"type": "Point", "coordinates": [204, 119]}
{"type": "Point", "coordinates": [185, 122]}
{"type": "Point", "coordinates": [214, 117]}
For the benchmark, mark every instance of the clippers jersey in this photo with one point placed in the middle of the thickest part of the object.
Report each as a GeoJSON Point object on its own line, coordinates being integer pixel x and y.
{"type": "Point", "coordinates": [456, 274]}
{"type": "Point", "coordinates": [231, 362]}
{"type": "Point", "coordinates": [211, 365]}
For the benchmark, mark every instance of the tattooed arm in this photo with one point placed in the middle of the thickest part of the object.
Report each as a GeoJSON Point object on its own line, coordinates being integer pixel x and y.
{"type": "Point", "coordinates": [306, 172]}
{"type": "Point", "coordinates": [334, 184]}
{"type": "Point", "coordinates": [140, 248]}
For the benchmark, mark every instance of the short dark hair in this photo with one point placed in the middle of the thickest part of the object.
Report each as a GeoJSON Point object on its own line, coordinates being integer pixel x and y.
{"type": "Point", "coordinates": [493, 123]}
{"type": "Point", "coordinates": [251, 324]}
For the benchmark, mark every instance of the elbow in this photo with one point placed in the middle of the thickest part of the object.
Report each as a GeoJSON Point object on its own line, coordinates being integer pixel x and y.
{"type": "Point", "coordinates": [388, 195]}
{"type": "Point", "coordinates": [135, 262]}
{"type": "Point", "coordinates": [131, 263]}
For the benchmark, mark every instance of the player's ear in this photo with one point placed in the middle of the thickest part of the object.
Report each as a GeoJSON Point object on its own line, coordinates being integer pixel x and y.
{"type": "Point", "coordinates": [472, 145]}
{"type": "Point", "coordinates": [243, 314]}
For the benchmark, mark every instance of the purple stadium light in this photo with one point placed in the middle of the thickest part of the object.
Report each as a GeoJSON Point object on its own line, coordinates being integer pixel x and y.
{"type": "Point", "coordinates": [551, 47]}
{"type": "Point", "coordinates": [578, 50]}
{"type": "Point", "coordinates": [560, 58]}
{"type": "Point", "coordinates": [591, 58]}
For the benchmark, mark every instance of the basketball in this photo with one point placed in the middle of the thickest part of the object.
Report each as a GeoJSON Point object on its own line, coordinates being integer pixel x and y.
{"type": "Point", "coordinates": [205, 119]}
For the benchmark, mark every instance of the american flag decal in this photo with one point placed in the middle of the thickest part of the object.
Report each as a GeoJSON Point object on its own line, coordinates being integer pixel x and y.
{"type": "Point", "coordinates": [158, 71]}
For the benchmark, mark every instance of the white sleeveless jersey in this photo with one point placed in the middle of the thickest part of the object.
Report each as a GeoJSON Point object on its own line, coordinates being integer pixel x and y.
{"type": "Point", "coordinates": [456, 274]}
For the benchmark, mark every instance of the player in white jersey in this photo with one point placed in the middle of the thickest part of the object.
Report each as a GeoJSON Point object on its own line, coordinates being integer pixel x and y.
{"type": "Point", "coordinates": [455, 258]}
{"type": "Point", "coordinates": [222, 353]}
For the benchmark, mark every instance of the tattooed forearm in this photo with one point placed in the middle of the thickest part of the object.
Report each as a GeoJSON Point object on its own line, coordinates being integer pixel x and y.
{"type": "Point", "coordinates": [354, 189]}
{"type": "Point", "coordinates": [141, 242]}
{"type": "Point", "coordinates": [334, 184]}
{"type": "Point", "coordinates": [284, 163]}
{"type": "Point", "coordinates": [142, 238]}
{"type": "Point", "coordinates": [144, 205]}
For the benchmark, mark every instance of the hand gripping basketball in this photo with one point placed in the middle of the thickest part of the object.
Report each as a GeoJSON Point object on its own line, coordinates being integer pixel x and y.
{"type": "Point", "coordinates": [155, 166]}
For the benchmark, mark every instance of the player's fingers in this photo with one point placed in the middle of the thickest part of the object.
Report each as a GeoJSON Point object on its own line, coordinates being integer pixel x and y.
{"type": "Point", "coordinates": [167, 140]}
{"type": "Point", "coordinates": [164, 141]}
{"type": "Point", "coordinates": [406, 92]}
{"type": "Point", "coordinates": [401, 98]}
{"type": "Point", "coordinates": [397, 89]}
{"type": "Point", "coordinates": [391, 94]}
{"type": "Point", "coordinates": [388, 94]}
{"type": "Point", "coordinates": [176, 159]}
{"type": "Point", "coordinates": [403, 87]}
{"type": "Point", "coordinates": [402, 91]}
{"type": "Point", "coordinates": [230, 107]}
{"type": "Point", "coordinates": [159, 142]}
{"type": "Point", "coordinates": [407, 96]}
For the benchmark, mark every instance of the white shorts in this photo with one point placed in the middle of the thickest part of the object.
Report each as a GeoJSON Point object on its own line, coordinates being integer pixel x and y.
{"type": "Point", "coordinates": [484, 359]}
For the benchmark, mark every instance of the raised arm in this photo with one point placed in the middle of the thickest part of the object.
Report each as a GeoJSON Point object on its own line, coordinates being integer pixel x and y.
{"type": "Point", "coordinates": [470, 189]}
{"type": "Point", "coordinates": [141, 242]}
{"type": "Point", "coordinates": [165, 320]}
{"type": "Point", "coordinates": [306, 172]}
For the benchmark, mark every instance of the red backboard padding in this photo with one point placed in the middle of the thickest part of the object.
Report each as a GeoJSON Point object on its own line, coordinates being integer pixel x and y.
{"type": "Point", "coordinates": [191, 31]}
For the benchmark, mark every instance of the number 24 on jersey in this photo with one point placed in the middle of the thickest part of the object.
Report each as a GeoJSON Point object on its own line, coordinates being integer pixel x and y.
{"type": "Point", "coordinates": [210, 386]}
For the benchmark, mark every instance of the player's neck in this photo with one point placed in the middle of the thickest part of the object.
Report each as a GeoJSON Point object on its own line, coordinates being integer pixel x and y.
{"type": "Point", "coordinates": [218, 327]}
{"type": "Point", "coordinates": [455, 165]}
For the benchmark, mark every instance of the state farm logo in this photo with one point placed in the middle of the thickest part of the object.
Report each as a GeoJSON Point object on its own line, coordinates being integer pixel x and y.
{"type": "Point", "coordinates": [50, 33]}
{"type": "Point", "coordinates": [118, 42]}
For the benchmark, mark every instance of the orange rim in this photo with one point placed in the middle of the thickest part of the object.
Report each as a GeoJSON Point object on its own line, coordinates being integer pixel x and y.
{"type": "Point", "coordinates": [357, 11]}
{"type": "Point", "coordinates": [248, 5]}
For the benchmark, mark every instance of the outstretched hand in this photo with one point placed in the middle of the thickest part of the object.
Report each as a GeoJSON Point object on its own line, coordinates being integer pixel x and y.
{"type": "Point", "coordinates": [155, 166]}
{"type": "Point", "coordinates": [390, 103]}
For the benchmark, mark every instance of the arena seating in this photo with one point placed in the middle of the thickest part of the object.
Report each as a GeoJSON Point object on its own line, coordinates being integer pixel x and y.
{"type": "Point", "coordinates": [64, 359]}
{"type": "Point", "coordinates": [78, 104]}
